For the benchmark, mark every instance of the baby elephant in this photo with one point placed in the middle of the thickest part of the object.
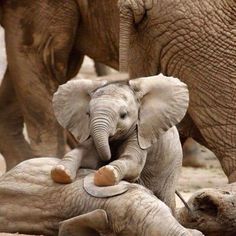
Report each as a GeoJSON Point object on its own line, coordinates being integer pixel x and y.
{"type": "Point", "coordinates": [31, 203]}
{"type": "Point", "coordinates": [132, 123]}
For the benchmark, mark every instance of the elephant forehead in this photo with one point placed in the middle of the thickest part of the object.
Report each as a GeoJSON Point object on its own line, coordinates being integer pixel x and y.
{"type": "Point", "coordinates": [114, 90]}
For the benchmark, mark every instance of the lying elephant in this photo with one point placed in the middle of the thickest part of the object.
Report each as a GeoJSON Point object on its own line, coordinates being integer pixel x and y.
{"type": "Point", "coordinates": [212, 211]}
{"type": "Point", "coordinates": [30, 202]}
{"type": "Point", "coordinates": [46, 42]}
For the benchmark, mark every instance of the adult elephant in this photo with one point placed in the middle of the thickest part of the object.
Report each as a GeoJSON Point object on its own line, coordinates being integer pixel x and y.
{"type": "Point", "coordinates": [191, 40]}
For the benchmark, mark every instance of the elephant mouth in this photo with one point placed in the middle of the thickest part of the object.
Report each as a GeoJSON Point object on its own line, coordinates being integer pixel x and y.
{"type": "Point", "coordinates": [121, 134]}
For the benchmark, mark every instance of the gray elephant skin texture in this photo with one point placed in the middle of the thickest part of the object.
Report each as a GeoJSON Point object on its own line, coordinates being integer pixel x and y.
{"type": "Point", "coordinates": [212, 211]}
{"type": "Point", "coordinates": [32, 203]}
{"type": "Point", "coordinates": [46, 42]}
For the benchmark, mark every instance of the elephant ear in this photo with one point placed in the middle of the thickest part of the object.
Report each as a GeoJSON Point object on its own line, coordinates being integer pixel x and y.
{"type": "Point", "coordinates": [164, 102]}
{"type": "Point", "coordinates": [71, 103]}
{"type": "Point", "coordinates": [90, 224]}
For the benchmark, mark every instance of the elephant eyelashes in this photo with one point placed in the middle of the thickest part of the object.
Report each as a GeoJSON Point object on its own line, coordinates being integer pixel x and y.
{"type": "Point", "coordinates": [123, 115]}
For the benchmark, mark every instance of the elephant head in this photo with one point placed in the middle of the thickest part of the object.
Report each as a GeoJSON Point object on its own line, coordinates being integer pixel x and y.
{"type": "Point", "coordinates": [211, 210]}
{"type": "Point", "coordinates": [110, 111]}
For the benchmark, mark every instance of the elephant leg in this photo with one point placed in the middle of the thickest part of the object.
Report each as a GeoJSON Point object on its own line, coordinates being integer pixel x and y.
{"type": "Point", "coordinates": [228, 165]}
{"type": "Point", "coordinates": [225, 152]}
{"type": "Point", "coordinates": [128, 166]}
{"type": "Point", "coordinates": [101, 69]}
{"type": "Point", "coordinates": [13, 145]}
{"type": "Point", "coordinates": [86, 225]}
{"type": "Point", "coordinates": [192, 154]}
{"type": "Point", "coordinates": [39, 50]}
{"type": "Point", "coordinates": [163, 166]}
{"type": "Point", "coordinates": [165, 188]}
{"type": "Point", "coordinates": [65, 171]}
{"type": "Point", "coordinates": [187, 128]}
{"type": "Point", "coordinates": [84, 156]}
{"type": "Point", "coordinates": [219, 132]}
{"type": "Point", "coordinates": [162, 181]}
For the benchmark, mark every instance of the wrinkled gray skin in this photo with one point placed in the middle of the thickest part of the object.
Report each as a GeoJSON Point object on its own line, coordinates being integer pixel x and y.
{"type": "Point", "coordinates": [212, 211]}
{"type": "Point", "coordinates": [130, 121]}
{"type": "Point", "coordinates": [32, 203]}
{"type": "Point", "coordinates": [46, 41]}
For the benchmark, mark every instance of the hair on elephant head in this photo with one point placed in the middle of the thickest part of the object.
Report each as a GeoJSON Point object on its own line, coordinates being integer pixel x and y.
{"type": "Point", "coordinates": [110, 110]}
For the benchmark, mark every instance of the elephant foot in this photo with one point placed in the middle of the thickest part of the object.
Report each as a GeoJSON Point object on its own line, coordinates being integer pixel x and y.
{"type": "Point", "coordinates": [106, 176]}
{"type": "Point", "coordinates": [192, 154]}
{"type": "Point", "coordinates": [61, 174]}
{"type": "Point", "coordinates": [193, 161]}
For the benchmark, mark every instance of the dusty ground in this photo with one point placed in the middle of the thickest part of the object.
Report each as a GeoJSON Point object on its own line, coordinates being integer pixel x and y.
{"type": "Point", "coordinates": [191, 179]}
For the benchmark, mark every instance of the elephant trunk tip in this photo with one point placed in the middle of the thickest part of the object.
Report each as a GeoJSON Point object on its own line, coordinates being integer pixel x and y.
{"type": "Point", "coordinates": [105, 155]}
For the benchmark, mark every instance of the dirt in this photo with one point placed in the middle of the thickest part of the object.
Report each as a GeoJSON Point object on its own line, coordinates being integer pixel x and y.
{"type": "Point", "coordinates": [191, 179]}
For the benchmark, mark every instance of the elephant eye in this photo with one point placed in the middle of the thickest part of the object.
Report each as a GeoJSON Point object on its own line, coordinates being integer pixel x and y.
{"type": "Point", "coordinates": [88, 113]}
{"type": "Point", "coordinates": [123, 115]}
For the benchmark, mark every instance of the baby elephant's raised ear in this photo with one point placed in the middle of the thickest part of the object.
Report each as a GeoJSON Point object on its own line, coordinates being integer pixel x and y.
{"type": "Point", "coordinates": [90, 224]}
{"type": "Point", "coordinates": [71, 103]}
{"type": "Point", "coordinates": [164, 102]}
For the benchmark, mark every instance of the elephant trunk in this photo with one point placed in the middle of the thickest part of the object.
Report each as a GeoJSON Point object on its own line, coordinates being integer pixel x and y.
{"type": "Point", "coordinates": [100, 131]}
{"type": "Point", "coordinates": [126, 26]}
{"type": "Point", "coordinates": [131, 13]}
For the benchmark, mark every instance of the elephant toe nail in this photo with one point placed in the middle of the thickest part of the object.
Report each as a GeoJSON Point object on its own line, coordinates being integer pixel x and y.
{"type": "Point", "coordinates": [106, 176]}
{"type": "Point", "coordinates": [61, 175]}
{"type": "Point", "coordinates": [60, 167]}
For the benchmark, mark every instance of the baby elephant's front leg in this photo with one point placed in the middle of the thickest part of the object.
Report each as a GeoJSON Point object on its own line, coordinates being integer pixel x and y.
{"type": "Point", "coordinates": [85, 156]}
{"type": "Point", "coordinates": [128, 166]}
{"type": "Point", "coordinates": [65, 171]}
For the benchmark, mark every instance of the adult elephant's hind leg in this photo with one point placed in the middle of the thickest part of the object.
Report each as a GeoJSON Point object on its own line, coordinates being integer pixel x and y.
{"type": "Point", "coordinates": [39, 39]}
{"type": "Point", "coordinates": [218, 127]}
{"type": "Point", "coordinates": [228, 163]}
{"type": "Point", "coordinates": [12, 142]}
